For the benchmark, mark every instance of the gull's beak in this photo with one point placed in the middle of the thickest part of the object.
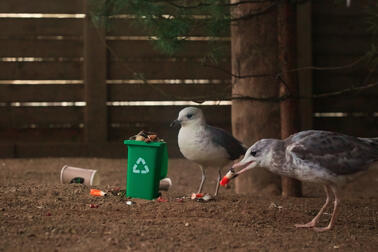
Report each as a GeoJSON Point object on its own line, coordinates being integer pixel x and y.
{"type": "Point", "coordinates": [239, 165]}
{"type": "Point", "coordinates": [175, 123]}
{"type": "Point", "coordinates": [242, 166]}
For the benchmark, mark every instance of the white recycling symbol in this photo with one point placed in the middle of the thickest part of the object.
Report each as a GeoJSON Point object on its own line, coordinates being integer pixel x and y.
{"type": "Point", "coordinates": [143, 162]}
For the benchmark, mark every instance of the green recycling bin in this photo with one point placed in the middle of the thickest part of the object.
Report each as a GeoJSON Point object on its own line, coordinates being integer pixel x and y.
{"type": "Point", "coordinates": [147, 164]}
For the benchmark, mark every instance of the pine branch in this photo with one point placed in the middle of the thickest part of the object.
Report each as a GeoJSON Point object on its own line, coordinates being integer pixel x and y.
{"type": "Point", "coordinates": [345, 91]}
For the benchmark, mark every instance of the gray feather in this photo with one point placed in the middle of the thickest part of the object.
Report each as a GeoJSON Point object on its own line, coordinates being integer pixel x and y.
{"type": "Point", "coordinates": [222, 138]}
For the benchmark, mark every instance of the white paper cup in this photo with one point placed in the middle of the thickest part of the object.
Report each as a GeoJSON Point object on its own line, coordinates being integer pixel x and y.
{"type": "Point", "coordinates": [86, 176]}
{"type": "Point", "coordinates": [165, 184]}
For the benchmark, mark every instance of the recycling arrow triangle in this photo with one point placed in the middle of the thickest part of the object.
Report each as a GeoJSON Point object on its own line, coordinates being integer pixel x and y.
{"type": "Point", "coordinates": [145, 166]}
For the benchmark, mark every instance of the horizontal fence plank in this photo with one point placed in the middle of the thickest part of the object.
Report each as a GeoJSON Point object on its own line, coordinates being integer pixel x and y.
{"type": "Point", "coordinates": [165, 92]}
{"type": "Point", "coordinates": [355, 126]}
{"type": "Point", "coordinates": [165, 70]}
{"type": "Point", "coordinates": [339, 8]}
{"type": "Point", "coordinates": [41, 93]}
{"type": "Point", "coordinates": [38, 135]}
{"type": "Point", "coordinates": [59, 149]}
{"type": "Point", "coordinates": [341, 45]}
{"type": "Point", "coordinates": [148, 114]}
{"type": "Point", "coordinates": [7, 150]}
{"type": "Point", "coordinates": [130, 27]}
{"type": "Point", "coordinates": [346, 104]}
{"type": "Point", "coordinates": [146, 49]}
{"type": "Point", "coordinates": [326, 82]}
{"type": "Point", "coordinates": [332, 25]}
{"type": "Point", "coordinates": [41, 48]}
{"type": "Point", "coordinates": [41, 6]}
{"type": "Point", "coordinates": [34, 27]}
{"type": "Point", "coordinates": [16, 117]}
{"type": "Point", "coordinates": [41, 70]}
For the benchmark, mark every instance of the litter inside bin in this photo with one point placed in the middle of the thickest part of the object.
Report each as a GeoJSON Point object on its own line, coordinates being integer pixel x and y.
{"type": "Point", "coordinates": [146, 136]}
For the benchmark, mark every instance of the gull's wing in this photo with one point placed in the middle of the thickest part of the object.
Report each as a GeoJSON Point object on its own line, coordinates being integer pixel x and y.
{"type": "Point", "coordinates": [338, 153]}
{"type": "Point", "coordinates": [221, 137]}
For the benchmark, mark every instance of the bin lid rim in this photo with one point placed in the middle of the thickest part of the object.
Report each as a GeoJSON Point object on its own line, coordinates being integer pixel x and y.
{"type": "Point", "coordinates": [134, 142]}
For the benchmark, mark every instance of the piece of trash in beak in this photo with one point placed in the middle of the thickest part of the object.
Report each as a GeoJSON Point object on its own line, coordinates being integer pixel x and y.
{"type": "Point", "coordinates": [230, 175]}
{"type": "Point", "coordinates": [96, 192]}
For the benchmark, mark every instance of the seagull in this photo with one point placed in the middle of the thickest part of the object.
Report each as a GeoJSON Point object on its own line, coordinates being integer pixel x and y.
{"type": "Point", "coordinates": [328, 158]}
{"type": "Point", "coordinates": [204, 144]}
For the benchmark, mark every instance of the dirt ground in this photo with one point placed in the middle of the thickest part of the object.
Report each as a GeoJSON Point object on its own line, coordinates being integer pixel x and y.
{"type": "Point", "coordinates": [37, 213]}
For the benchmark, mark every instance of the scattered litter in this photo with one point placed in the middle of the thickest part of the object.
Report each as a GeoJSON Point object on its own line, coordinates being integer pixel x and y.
{"type": "Point", "coordinates": [196, 196]}
{"type": "Point", "coordinates": [187, 224]}
{"type": "Point", "coordinates": [48, 214]}
{"type": "Point", "coordinates": [114, 191]}
{"type": "Point", "coordinates": [181, 200]}
{"type": "Point", "coordinates": [146, 136]}
{"type": "Point", "coordinates": [75, 175]}
{"type": "Point", "coordinates": [200, 197]}
{"type": "Point", "coordinates": [336, 246]}
{"type": "Point", "coordinates": [96, 192]}
{"type": "Point", "coordinates": [165, 184]}
{"type": "Point", "coordinates": [207, 197]}
{"type": "Point", "coordinates": [274, 205]}
{"type": "Point", "coordinates": [129, 202]}
{"type": "Point", "coordinates": [160, 199]}
{"type": "Point", "coordinates": [93, 206]}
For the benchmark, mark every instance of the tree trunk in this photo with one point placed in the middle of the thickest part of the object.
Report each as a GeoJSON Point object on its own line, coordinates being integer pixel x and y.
{"type": "Point", "coordinates": [290, 119]}
{"type": "Point", "coordinates": [254, 51]}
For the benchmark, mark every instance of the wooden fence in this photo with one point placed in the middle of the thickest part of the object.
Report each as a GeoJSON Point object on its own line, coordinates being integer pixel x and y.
{"type": "Point", "coordinates": [68, 89]}
{"type": "Point", "coordinates": [340, 38]}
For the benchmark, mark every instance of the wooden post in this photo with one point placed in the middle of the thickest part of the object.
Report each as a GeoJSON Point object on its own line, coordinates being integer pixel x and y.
{"type": "Point", "coordinates": [95, 118]}
{"type": "Point", "coordinates": [304, 42]}
{"type": "Point", "coordinates": [254, 52]}
{"type": "Point", "coordinates": [290, 119]}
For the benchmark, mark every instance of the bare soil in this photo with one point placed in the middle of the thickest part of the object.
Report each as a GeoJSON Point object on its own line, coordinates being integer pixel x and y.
{"type": "Point", "coordinates": [37, 213]}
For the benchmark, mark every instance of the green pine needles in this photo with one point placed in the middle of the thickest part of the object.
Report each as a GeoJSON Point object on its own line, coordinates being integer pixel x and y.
{"type": "Point", "coordinates": [170, 23]}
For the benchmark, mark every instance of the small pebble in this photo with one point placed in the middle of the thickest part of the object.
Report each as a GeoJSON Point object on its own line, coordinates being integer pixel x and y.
{"type": "Point", "coordinates": [187, 224]}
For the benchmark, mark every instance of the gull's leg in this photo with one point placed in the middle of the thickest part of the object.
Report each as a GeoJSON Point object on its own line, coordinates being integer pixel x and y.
{"type": "Point", "coordinates": [334, 214]}
{"type": "Point", "coordinates": [218, 180]}
{"type": "Point", "coordinates": [202, 179]}
{"type": "Point", "coordinates": [315, 220]}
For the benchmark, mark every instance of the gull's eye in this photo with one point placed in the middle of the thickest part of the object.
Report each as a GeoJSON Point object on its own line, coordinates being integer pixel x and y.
{"type": "Point", "coordinates": [253, 153]}
{"type": "Point", "coordinates": [189, 116]}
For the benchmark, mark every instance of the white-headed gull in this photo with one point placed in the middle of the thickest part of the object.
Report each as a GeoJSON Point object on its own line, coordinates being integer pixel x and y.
{"type": "Point", "coordinates": [204, 144]}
